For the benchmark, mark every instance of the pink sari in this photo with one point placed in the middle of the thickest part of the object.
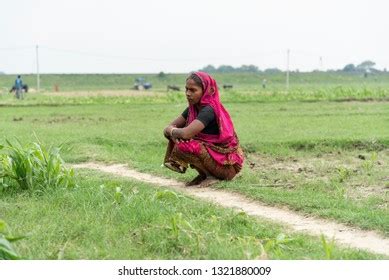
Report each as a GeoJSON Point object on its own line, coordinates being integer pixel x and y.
{"type": "Point", "coordinates": [224, 148]}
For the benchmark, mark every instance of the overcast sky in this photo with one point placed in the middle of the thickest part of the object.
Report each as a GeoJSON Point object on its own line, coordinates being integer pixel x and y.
{"type": "Point", "coordinates": [124, 36]}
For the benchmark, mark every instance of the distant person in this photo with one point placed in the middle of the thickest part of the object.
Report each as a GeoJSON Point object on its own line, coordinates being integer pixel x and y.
{"type": "Point", "coordinates": [19, 87]}
{"type": "Point", "coordinates": [203, 136]}
{"type": "Point", "coordinates": [264, 82]}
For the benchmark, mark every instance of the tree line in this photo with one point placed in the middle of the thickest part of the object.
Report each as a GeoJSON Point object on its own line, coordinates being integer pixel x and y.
{"type": "Point", "coordinates": [366, 66]}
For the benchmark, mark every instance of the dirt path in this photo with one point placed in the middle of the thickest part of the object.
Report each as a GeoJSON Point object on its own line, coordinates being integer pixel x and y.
{"type": "Point", "coordinates": [366, 240]}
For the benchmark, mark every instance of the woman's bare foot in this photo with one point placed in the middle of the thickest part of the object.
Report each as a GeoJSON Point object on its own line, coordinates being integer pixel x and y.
{"type": "Point", "coordinates": [209, 181]}
{"type": "Point", "coordinates": [197, 180]}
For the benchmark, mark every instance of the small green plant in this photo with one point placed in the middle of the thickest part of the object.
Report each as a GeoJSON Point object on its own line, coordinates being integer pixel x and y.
{"type": "Point", "coordinates": [181, 227]}
{"type": "Point", "coordinates": [179, 224]}
{"type": "Point", "coordinates": [276, 245]}
{"type": "Point", "coordinates": [166, 196]}
{"type": "Point", "coordinates": [337, 188]}
{"type": "Point", "coordinates": [328, 247]}
{"type": "Point", "coordinates": [33, 167]}
{"type": "Point", "coordinates": [369, 164]}
{"type": "Point", "coordinates": [7, 252]}
{"type": "Point", "coordinates": [119, 196]}
{"type": "Point", "coordinates": [343, 174]}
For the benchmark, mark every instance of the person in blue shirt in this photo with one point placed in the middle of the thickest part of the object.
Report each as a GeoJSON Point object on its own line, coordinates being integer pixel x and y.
{"type": "Point", "coordinates": [19, 87]}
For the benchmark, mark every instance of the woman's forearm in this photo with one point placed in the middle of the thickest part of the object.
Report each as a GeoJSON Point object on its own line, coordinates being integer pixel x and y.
{"type": "Point", "coordinates": [189, 131]}
{"type": "Point", "coordinates": [178, 122]}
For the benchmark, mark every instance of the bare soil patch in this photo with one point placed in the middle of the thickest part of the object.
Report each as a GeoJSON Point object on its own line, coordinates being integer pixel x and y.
{"type": "Point", "coordinates": [363, 174]}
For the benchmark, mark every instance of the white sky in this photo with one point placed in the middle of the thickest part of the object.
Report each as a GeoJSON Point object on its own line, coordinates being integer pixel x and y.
{"type": "Point", "coordinates": [119, 36]}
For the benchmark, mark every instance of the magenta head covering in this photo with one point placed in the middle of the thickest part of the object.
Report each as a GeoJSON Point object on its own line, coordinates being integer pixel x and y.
{"type": "Point", "coordinates": [223, 147]}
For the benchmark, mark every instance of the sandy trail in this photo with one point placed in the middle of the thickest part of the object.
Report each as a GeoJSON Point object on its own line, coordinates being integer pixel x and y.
{"type": "Point", "coordinates": [353, 237]}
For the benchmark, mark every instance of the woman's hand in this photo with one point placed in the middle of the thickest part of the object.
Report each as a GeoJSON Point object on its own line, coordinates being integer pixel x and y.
{"type": "Point", "coordinates": [167, 132]}
{"type": "Point", "coordinates": [176, 136]}
{"type": "Point", "coordinates": [178, 122]}
{"type": "Point", "coordinates": [181, 133]}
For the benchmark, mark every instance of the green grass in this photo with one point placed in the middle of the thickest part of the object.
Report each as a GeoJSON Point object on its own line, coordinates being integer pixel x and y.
{"type": "Point", "coordinates": [318, 80]}
{"type": "Point", "coordinates": [112, 218]}
{"type": "Point", "coordinates": [304, 151]}
{"type": "Point", "coordinates": [132, 134]}
{"type": "Point", "coordinates": [247, 86]}
{"type": "Point", "coordinates": [7, 251]}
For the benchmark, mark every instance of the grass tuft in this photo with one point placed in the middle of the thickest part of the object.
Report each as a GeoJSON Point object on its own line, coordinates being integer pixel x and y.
{"type": "Point", "coordinates": [7, 252]}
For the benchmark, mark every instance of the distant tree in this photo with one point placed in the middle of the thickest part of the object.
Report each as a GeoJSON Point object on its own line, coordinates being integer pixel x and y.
{"type": "Point", "coordinates": [2, 73]}
{"type": "Point", "coordinates": [349, 68]}
{"type": "Point", "coordinates": [209, 69]}
{"type": "Point", "coordinates": [248, 68]}
{"type": "Point", "coordinates": [225, 69]}
{"type": "Point", "coordinates": [229, 69]}
{"type": "Point", "coordinates": [272, 70]}
{"type": "Point", "coordinates": [366, 66]}
{"type": "Point", "coordinates": [161, 75]}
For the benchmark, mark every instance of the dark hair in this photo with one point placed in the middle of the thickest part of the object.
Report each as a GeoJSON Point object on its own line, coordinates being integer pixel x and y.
{"type": "Point", "coordinates": [196, 79]}
{"type": "Point", "coordinates": [18, 76]}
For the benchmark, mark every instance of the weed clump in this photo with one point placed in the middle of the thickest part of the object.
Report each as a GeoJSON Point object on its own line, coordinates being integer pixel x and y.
{"type": "Point", "coordinates": [33, 167]}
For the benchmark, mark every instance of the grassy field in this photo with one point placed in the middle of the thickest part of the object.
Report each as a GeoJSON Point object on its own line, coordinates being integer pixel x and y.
{"type": "Point", "coordinates": [93, 222]}
{"type": "Point", "coordinates": [247, 87]}
{"type": "Point", "coordinates": [317, 154]}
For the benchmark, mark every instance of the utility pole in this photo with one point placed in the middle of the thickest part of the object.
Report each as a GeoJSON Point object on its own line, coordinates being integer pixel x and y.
{"type": "Point", "coordinates": [287, 70]}
{"type": "Point", "coordinates": [37, 71]}
{"type": "Point", "coordinates": [321, 63]}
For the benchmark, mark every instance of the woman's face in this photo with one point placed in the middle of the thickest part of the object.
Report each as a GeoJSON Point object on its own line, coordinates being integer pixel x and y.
{"type": "Point", "coordinates": [193, 92]}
